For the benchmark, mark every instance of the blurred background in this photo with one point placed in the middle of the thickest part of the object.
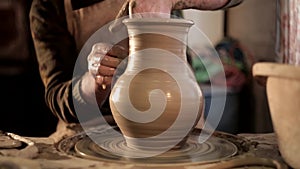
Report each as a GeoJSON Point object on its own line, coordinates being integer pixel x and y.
{"type": "Point", "coordinates": [23, 109]}
{"type": "Point", "coordinates": [255, 26]}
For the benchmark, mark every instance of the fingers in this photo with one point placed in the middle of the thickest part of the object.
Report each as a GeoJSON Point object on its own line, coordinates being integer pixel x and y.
{"type": "Point", "coordinates": [106, 71]}
{"type": "Point", "coordinates": [103, 61]}
{"type": "Point", "coordinates": [109, 61]}
{"type": "Point", "coordinates": [118, 51]}
{"type": "Point", "coordinates": [104, 58]}
{"type": "Point", "coordinates": [98, 52]}
{"type": "Point", "coordinates": [103, 81]}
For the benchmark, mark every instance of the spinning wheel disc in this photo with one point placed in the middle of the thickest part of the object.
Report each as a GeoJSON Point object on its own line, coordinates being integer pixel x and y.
{"type": "Point", "coordinates": [214, 149]}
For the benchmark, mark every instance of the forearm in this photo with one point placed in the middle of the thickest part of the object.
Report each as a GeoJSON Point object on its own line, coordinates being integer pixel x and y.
{"type": "Point", "coordinates": [204, 4]}
{"type": "Point", "coordinates": [166, 6]}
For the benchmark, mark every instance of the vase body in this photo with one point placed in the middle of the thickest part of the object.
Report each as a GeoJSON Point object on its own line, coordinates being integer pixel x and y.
{"type": "Point", "coordinates": [156, 102]}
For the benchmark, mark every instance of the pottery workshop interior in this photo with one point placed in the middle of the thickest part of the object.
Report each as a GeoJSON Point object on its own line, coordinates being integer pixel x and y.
{"type": "Point", "coordinates": [152, 84]}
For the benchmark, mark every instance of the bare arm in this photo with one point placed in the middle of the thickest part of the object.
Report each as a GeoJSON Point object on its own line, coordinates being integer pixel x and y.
{"type": "Point", "coordinates": [204, 4]}
{"type": "Point", "coordinates": [165, 6]}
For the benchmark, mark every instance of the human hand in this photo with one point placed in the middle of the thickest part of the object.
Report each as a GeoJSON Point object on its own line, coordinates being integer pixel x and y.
{"type": "Point", "coordinates": [102, 63]}
{"type": "Point", "coordinates": [151, 8]}
{"type": "Point", "coordinates": [165, 6]}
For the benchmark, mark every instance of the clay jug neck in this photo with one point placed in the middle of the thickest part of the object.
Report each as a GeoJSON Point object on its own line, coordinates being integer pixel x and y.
{"type": "Point", "coordinates": [160, 33]}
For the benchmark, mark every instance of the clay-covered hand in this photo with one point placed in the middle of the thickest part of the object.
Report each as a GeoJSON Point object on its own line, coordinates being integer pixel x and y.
{"type": "Point", "coordinates": [102, 63]}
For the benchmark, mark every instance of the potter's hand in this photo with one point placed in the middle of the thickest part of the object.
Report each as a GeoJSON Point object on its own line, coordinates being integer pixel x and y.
{"type": "Point", "coordinates": [165, 6]}
{"type": "Point", "coordinates": [150, 8]}
{"type": "Point", "coordinates": [204, 4]}
{"type": "Point", "coordinates": [102, 63]}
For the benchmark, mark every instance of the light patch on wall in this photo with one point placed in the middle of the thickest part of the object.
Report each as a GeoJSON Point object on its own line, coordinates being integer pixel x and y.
{"type": "Point", "coordinates": [211, 23]}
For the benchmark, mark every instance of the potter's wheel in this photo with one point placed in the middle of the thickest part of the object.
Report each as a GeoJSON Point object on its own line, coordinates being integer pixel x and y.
{"type": "Point", "coordinates": [220, 146]}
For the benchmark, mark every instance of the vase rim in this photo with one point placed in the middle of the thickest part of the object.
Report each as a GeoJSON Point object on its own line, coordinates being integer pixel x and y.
{"type": "Point", "coordinates": [176, 21]}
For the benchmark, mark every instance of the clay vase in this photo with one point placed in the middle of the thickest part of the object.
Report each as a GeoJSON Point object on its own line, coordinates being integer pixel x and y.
{"type": "Point", "coordinates": [156, 102]}
{"type": "Point", "coordinates": [283, 92]}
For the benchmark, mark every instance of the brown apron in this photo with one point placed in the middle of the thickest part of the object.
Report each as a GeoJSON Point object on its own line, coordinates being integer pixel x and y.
{"type": "Point", "coordinates": [83, 22]}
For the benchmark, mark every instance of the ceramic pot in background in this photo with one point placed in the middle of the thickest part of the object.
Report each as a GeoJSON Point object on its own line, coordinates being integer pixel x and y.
{"type": "Point", "coordinates": [283, 92]}
{"type": "Point", "coordinates": [156, 102]}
